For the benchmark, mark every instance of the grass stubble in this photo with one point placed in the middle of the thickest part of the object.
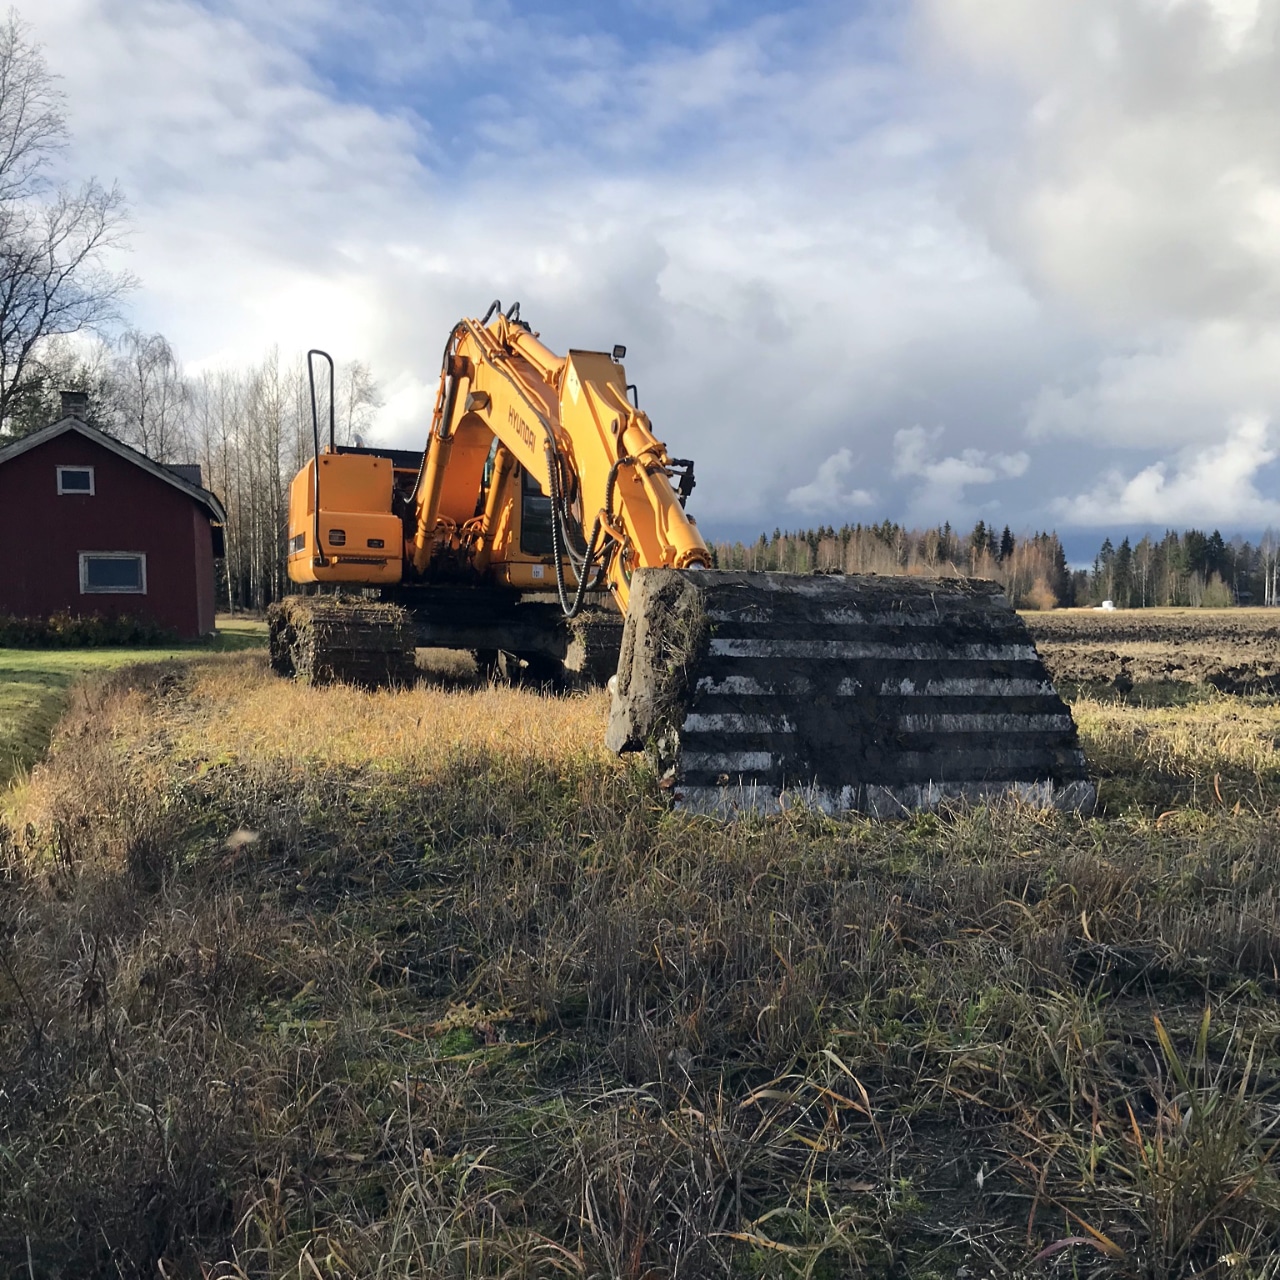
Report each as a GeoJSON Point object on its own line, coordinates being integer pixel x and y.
{"type": "Point", "coordinates": [334, 983]}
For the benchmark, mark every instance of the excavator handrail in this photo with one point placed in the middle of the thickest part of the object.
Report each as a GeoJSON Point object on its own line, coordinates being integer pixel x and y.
{"type": "Point", "coordinates": [316, 555]}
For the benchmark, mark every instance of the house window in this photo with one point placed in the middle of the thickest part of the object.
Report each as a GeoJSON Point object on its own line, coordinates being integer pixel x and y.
{"type": "Point", "coordinates": [113, 573]}
{"type": "Point", "coordinates": [75, 480]}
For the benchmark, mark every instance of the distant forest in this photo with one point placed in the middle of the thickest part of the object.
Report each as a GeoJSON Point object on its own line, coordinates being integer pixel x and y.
{"type": "Point", "coordinates": [1189, 568]}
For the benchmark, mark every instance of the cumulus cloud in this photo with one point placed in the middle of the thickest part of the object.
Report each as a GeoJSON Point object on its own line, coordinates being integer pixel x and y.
{"type": "Point", "coordinates": [1169, 391]}
{"type": "Point", "coordinates": [1145, 183]}
{"type": "Point", "coordinates": [759, 223]}
{"type": "Point", "coordinates": [828, 492]}
{"type": "Point", "coordinates": [944, 480]}
{"type": "Point", "coordinates": [1138, 190]}
{"type": "Point", "coordinates": [1065, 220]}
{"type": "Point", "coordinates": [1208, 485]}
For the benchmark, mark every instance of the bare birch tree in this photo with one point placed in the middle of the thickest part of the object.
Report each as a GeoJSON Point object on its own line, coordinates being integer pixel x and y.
{"type": "Point", "coordinates": [55, 241]}
{"type": "Point", "coordinates": [1269, 548]}
{"type": "Point", "coordinates": [152, 396]}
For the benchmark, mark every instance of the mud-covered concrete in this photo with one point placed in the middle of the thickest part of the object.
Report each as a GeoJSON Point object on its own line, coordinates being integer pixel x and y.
{"type": "Point", "coordinates": [664, 643]}
{"type": "Point", "coordinates": [858, 692]}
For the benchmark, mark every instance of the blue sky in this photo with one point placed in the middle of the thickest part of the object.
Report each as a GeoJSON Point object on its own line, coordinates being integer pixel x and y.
{"type": "Point", "coordinates": [932, 259]}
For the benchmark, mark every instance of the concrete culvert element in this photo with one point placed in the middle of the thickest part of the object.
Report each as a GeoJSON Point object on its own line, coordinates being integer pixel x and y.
{"type": "Point", "coordinates": [882, 695]}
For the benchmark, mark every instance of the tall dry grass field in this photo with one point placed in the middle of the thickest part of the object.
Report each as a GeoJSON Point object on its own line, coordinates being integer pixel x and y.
{"type": "Point", "coordinates": [329, 983]}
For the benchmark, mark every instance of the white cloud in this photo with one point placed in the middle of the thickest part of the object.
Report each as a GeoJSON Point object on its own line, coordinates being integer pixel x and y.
{"type": "Point", "coordinates": [827, 492]}
{"type": "Point", "coordinates": [1210, 485]}
{"type": "Point", "coordinates": [1145, 185]}
{"type": "Point", "coordinates": [1169, 391]}
{"type": "Point", "coordinates": [941, 494]}
{"type": "Point", "coordinates": [790, 261]}
{"type": "Point", "coordinates": [1134, 178]}
{"type": "Point", "coordinates": [1078, 232]}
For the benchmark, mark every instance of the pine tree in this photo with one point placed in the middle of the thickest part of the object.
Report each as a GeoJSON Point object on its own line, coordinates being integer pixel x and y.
{"type": "Point", "coordinates": [1122, 574]}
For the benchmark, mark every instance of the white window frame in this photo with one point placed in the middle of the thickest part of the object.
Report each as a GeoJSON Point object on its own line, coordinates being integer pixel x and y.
{"type": "Point", "coordinates": [87, 590]}
{"type": "Point", "coordinates": [79, 493]}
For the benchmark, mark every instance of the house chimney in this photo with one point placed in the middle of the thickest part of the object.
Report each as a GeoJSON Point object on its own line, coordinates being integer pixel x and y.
{"type": "Point", "coordinates": [75, 404]}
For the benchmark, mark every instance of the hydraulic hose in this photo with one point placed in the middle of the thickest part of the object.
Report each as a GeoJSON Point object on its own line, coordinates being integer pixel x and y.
{"type": "Point", "coordinates": [571, 610]}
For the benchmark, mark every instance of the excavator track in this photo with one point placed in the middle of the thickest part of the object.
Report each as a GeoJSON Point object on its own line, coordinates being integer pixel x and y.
{"type": "Point", "coordinates": [595, 639]}
{"type": "Point", "coordinates": [752, 691]}
{"type": "Point", "coordinates": [341, 639]}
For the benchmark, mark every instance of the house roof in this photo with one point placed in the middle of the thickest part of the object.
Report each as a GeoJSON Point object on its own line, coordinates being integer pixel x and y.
{"type": "Point", "coordinates": [168, 475]}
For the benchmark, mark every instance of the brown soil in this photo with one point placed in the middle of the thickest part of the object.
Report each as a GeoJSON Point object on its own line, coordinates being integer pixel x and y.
{"type": "Point", "coordinates": [1154, 650]}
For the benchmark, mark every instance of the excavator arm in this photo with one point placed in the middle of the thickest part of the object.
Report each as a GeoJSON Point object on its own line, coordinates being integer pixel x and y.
{"type": "Point", "coordinates": [568, 421]}
{"type": "Point", "coordinates": [747, 690]}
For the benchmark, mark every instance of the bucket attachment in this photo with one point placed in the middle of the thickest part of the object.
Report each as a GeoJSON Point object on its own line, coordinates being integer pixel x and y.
{"type": "Point", "coordinates": [884, 695]}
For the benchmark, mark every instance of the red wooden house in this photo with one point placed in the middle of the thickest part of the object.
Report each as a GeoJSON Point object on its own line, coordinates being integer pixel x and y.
{"type": "Point", "coordinates": [90, 526]}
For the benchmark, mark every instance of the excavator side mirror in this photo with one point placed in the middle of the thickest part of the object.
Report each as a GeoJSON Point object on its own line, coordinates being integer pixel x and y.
{"type": "Point", "coordinates": [619, 351]}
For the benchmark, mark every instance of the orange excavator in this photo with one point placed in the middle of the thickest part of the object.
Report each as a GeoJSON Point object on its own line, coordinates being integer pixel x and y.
{"type": "Point", "coordinates": [544, 528]}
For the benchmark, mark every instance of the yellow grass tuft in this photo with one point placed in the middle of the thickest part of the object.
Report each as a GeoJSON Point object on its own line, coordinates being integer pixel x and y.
{"type": "Point", "coordinates": [252, 714]}
{"type": "Point", "coordinates": [1216, 753]}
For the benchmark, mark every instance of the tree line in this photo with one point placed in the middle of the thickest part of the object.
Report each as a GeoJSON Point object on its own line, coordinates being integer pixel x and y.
{"type": "Point", "coordinates": [1189, 568]}
{"type": "Point", "coordinates": [1032, 569]}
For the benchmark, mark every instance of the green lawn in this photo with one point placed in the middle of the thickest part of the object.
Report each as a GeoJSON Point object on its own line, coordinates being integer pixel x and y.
{"type": "Point", "coordinates": [34, 684]}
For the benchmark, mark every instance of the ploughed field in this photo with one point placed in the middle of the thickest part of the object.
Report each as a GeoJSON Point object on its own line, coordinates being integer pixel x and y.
{"type": "Point", "coordinates": [324, 982]}
{"type": "Point", "coordinates": [1158, 652]}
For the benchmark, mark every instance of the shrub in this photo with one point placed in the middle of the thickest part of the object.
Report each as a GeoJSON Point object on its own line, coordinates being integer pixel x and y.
{"type": "Point", "coordinates": [1041, 596]}
{"type": "Point", "coordinates": [74, 631]}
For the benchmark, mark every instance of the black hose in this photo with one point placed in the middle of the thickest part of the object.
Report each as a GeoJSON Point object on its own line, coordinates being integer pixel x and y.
{"type": "Point", "coordinates": [571, 528]}
{"type": "Point", "coordinates": [584, 574]}
{"type": "Point", "coordinates": [444, 371]}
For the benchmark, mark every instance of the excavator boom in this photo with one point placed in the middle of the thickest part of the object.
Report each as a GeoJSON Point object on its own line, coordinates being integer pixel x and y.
{"type": "Point", "coordinates": [749, 691]}
{"type": "Point", "coordinates": [568, 421]}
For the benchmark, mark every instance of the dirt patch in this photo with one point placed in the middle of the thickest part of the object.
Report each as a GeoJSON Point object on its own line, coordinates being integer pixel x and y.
{"type": "Point", "coordinates": [1161, 651]}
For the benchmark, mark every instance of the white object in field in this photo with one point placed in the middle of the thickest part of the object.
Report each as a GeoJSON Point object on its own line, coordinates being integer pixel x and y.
{"type": "Point", "coordinates": [1108, 605]}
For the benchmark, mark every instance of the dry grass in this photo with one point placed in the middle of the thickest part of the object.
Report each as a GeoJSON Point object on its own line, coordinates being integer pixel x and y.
{"type": "Point", "coordinates": [1215, 752]}
{"type": "Point", "coordinates": [34, 684]}
{"type": "Point", "coordinates": [329, 983]}
{"type": "Point", "coordinates": [253, 717]}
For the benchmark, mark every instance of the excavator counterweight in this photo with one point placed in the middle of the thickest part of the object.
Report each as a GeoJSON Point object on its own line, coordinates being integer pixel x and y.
{"type": "Point", "coordinates": [544, 528]}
